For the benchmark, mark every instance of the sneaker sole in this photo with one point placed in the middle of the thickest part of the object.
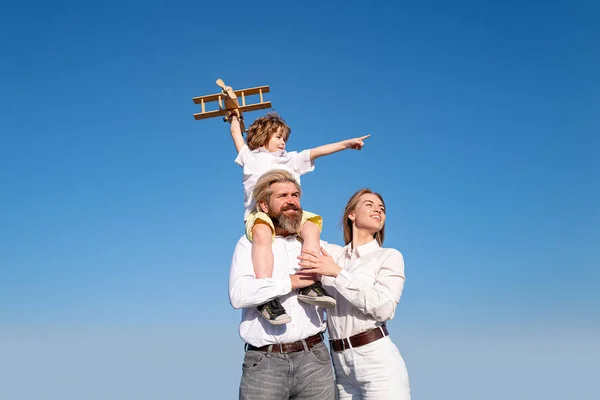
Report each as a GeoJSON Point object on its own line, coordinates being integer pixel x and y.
{"type": "Point", "coordinates": [279, 321]}
{"type": "Point", "coordinates": [325, 302]}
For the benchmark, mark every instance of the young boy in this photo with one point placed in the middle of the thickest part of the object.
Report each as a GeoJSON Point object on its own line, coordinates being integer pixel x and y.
{"type": "Point", "coordinates": [263, 151]}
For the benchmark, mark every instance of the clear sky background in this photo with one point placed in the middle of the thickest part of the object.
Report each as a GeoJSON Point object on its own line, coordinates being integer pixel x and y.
{"type": "Point", "coordinates": [119, 212]}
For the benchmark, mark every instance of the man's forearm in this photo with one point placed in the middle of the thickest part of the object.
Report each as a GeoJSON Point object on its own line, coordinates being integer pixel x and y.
{"type": "Point", "coordinates": [247, 292]}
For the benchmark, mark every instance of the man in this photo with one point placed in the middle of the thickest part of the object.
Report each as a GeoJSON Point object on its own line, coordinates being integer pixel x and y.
{"type": "Point", "coordinates": [282, 361]}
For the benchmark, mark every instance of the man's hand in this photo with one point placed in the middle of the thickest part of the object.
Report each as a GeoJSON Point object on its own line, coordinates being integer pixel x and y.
{"type": "Point", "coordinates": [356, 143]}
{"type": "Point", "coordinates": [301, 280]}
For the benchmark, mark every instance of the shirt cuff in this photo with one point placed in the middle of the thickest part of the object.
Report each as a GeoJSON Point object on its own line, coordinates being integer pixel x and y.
{"type": "Point", "coordinates": [327, 280]}
{"type": "Point", "coordinates": [306, 164]}
{"type": "Point", "coordinates": [343, 279]}
{"type": "Point", "coordinates": [286, 286]}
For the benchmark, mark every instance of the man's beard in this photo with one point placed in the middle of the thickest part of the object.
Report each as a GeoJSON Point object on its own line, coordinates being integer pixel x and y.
{"type": "Point", "coordinates": [289, 222]}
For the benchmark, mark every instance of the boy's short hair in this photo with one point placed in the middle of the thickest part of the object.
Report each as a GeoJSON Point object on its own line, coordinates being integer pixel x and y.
{"type": "Point", "coordinates": [263, 128]}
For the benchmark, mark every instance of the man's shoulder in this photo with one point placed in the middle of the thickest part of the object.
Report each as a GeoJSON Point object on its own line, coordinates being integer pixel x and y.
{"type": "Point", "coordinates": [243, 242]}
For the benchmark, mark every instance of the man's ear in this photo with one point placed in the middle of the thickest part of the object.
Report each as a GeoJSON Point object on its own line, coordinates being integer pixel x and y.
{"type": "Point", "coordinates": [264, 207]}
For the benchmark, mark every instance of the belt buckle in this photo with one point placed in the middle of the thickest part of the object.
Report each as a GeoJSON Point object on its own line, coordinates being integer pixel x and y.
{"type": "Point", "coordinates": [344, 344]}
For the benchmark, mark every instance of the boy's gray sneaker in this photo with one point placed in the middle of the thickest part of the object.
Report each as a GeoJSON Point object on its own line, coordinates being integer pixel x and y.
{"type": "Point", "coordinates": [274, 312]}
{"type": "Point", "coordinates": [316, 295]}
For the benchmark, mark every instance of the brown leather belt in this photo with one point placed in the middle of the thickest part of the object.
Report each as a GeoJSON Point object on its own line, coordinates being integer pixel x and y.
{"type": "Point", "coordinates": [360, 339]}
{"type": "Point", "coordinates": [293, 347]}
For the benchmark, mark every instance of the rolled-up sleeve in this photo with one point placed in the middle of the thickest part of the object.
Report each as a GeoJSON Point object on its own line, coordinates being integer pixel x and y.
{"type": "Point", "coordinates": [301, 162]}
{"type": "Point", "coordinates": [377, 299]}
{"type": "Point", "coordinates": [245, 290]}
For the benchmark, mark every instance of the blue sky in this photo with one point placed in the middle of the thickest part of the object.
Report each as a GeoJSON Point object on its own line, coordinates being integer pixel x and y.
{"type": "Point", "coordinates": [119, 212]}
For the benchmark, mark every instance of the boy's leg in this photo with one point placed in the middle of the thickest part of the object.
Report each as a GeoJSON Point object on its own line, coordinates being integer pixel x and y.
{"type": "Point", "coordinates": [314, 294]}
{"type": "Point", "coordinates": [311, 237]}
{"type": "Point", "coordinates": [262, 253]}
{"type": "Point", "coordinates": [262, 261]}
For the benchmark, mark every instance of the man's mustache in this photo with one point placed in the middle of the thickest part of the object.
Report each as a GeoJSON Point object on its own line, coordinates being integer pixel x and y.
{"type": "Point", "coordinates": [290, 207]}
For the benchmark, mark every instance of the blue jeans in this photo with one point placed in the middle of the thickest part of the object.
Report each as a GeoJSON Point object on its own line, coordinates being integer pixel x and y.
{"type": "Point", "coordinates": [302, 375]}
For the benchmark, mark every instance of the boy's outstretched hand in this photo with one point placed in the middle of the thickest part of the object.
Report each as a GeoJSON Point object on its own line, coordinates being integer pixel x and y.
{"type": "Point", "coordinates": [356, 143]}
{"type": "Point", "coordinates": [326, 149]}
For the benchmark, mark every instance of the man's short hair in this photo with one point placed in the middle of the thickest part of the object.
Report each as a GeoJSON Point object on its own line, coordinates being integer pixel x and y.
{"type": "Point", "coordinates": [262, 191]}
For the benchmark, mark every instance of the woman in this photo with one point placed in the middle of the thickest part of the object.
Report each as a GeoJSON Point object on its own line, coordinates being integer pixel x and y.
{"type": "Point", "coordinates": [367, 282]}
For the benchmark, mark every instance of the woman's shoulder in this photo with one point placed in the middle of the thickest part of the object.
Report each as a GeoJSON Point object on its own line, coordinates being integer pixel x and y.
{"type": "Point", "coordinates": [389, 253]}
{"type": "Point", "coordinates": [334, 250]}
{"type": "Point", "coordinates": [391, 250]}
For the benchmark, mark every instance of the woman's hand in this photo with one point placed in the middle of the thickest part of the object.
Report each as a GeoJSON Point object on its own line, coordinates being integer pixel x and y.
{"type": "Point", "coordinates": [322, 264]}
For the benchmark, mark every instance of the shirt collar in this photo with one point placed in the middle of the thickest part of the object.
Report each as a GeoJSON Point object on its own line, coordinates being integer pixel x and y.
{"type": "Point", "coordinates": [290, 237]}
{"type": "Point", "coordinates": [362, 250]}
{"type": "Point", "coordinates": [277, 153]}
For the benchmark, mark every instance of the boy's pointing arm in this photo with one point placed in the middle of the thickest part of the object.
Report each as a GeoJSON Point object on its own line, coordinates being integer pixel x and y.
{"type": "Point", "coordinates": [327, 149]}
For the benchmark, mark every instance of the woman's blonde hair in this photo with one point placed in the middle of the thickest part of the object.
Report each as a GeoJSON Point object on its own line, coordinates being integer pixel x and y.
{"type": "Point", "coordinates": [263, 128]}
{"type": "Point", "coordinates": [262, 190]}
{"type": "Point", "coordinates": [350, 207]}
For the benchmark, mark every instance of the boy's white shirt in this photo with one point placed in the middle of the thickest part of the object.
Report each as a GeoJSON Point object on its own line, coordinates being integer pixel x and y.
{"type": "Point", "coordinates": [257, 162]}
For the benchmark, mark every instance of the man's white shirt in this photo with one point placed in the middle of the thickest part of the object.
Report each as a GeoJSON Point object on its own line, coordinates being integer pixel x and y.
{"type": "Point", "coordinates": [258, 161]}
{"type": "Point", "coordinates": [247, 292]}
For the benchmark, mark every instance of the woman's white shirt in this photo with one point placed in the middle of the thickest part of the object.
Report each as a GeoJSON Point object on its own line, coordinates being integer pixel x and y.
{"type": "Point", "coordinates": [367, 290]}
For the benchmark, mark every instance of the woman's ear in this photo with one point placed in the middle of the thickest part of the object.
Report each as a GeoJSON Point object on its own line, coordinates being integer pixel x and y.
{"type": "Point", "coordinates": [351, 216]}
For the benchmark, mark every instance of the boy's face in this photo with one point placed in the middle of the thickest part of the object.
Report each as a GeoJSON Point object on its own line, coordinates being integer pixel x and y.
{"type": "Point", "coordinates": [276, 142]}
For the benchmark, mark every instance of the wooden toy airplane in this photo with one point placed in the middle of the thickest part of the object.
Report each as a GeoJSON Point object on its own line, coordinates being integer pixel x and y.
{"type": "Point", "coordinates": [229, 102]}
